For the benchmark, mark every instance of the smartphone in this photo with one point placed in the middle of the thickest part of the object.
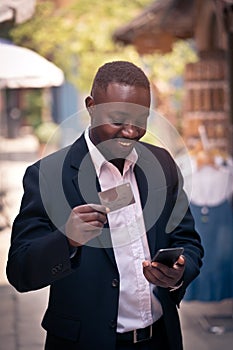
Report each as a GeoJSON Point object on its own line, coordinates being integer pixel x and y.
{"type": "Point", "coordinates": [168, 256]}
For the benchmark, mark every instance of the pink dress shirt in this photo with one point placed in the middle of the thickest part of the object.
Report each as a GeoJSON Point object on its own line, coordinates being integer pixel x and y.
{"type": "Point", "coordinates": [138, 306]}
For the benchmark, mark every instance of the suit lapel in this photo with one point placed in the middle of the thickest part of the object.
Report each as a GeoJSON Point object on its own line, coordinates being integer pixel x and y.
{"type": "Point", "coordinates": [152, 188]}
{"type": "Point", "coordinates": [86, 186]}
{"type": "Point", "coordinates": [141, 178]}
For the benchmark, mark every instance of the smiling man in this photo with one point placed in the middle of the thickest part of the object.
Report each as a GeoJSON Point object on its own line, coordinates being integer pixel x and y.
{"type": "Point", "coordinates": [119, 110]}
{"type": "Point", "coordinates": [92, 217]}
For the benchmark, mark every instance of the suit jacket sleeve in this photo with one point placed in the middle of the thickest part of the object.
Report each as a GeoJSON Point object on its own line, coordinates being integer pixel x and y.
{"type": "Point", "coordinates": [180, 227]}
{"type": "Point", "coordinates": [39, 252]}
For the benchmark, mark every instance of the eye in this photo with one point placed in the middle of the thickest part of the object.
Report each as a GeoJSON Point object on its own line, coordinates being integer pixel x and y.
{"type": "Point", "coordinates": [117, 123]}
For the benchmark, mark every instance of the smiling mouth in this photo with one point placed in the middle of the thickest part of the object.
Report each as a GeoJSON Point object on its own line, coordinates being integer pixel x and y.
{"type": "Point", "coordinates": [125, 143]}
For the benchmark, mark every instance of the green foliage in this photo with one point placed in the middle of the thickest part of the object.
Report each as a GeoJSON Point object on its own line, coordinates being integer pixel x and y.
{"type": "Point", "coordinates": [166, 67]}
{"type": "Point", "coordinates": [33, 103]}
{"type": "Point", "coordinates": [78, 38]}
{"type": "Point", "coordinates": [47, 132]}
{"type": "Point", "coordinates": [46, 33]}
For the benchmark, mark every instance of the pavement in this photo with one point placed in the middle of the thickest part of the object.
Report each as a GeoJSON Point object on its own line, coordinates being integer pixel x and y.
{"type": "Point", "coordinates": [205, 325]}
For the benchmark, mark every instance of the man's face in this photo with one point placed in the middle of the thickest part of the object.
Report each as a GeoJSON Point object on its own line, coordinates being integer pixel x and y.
{"type": "Point", "coordinates": [118, 118]}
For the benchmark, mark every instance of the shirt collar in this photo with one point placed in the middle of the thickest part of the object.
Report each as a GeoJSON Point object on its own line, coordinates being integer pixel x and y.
{"type": "Point", "coordinates": [98, 159]}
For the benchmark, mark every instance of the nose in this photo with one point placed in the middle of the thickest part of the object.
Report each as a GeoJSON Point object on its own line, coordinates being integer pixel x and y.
{"type": "Point", "coordinates": [130, 131]}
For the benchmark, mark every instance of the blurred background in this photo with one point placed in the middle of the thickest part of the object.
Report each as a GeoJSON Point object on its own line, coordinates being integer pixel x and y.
{"type": "Point", "coordinates": [49, 54]}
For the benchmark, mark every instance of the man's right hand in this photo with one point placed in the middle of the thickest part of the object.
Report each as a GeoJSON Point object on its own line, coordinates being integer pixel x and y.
{"type": "Point", "coordinates": [85, 223]}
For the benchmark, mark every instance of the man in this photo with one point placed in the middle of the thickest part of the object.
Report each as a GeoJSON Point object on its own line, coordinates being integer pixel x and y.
{"type": "Point", "coordinates": [105, 293]}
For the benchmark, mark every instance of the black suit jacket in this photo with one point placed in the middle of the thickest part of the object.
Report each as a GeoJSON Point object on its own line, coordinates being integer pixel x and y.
{"type": "Point", "coordinates": [84, 292]}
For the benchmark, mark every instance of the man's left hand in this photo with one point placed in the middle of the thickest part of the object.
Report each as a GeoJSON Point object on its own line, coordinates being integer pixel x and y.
{"type": "Point", "coordinates": [162, 275]}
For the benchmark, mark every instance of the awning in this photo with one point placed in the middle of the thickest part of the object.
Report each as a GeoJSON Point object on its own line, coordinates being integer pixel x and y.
{"type": "Point", "coordinates": [24, 68]}
{"type": "Point", "coordinates": [17, 10]}
{"type": "Point", "coordinates": [159, 26]}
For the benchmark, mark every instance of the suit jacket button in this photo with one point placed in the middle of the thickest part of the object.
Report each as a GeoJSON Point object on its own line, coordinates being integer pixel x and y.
{"type": "Point", "coordinates": [115, 282]}
{"type": "Point", "coordinates": [59, 267]}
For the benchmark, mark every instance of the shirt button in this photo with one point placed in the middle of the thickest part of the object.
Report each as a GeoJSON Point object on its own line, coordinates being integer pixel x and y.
{"type": "Point", "coordinates": [115, 282]}
{"type": "Point", "coordinates": [112, 324]}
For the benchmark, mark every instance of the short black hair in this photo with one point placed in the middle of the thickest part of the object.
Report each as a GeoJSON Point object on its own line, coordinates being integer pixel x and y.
{"type": "Point", "coordinates": [121, 72]}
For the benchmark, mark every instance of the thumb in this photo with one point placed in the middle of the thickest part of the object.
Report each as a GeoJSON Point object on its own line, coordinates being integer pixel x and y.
{"type": "Point", "coordinates": [180, 261]}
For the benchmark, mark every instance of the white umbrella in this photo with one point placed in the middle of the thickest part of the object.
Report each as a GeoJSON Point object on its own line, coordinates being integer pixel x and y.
{"type": "Point", "coordinates": [24, 68]}
{"type": "Point", "coordinates": [17, 10]}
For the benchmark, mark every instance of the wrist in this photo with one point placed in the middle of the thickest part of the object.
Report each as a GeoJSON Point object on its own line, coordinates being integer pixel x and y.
{"type": "Point", "coordinates": [172, 289]}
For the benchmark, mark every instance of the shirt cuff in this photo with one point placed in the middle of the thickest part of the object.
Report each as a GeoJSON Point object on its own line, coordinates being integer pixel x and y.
{"type": "Point", "coordinates": [72, 250]}
{"type": "Point", "coordinates": [172, 289]}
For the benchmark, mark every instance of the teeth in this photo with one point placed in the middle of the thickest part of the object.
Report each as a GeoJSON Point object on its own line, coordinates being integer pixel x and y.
{"type": "Point", "coordinates": [124, 143]}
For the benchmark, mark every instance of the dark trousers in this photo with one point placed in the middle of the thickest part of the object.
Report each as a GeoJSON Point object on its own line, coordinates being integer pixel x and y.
{"type": "Point", "coordinates": [158, 342]}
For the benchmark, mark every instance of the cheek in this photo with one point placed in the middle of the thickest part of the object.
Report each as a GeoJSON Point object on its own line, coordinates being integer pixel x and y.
{"type": "Point", "coordinates": [142, 132]}
{"type": "Point", "coordinates": [95, 135]}
{"type": "Point", "coordinates": [103, 133]}
{"type": "Point", "coordinates": [108, 132]}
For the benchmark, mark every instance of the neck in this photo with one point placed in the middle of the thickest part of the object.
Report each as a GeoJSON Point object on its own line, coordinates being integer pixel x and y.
{"type": "Point", "coordinates": [119, 163]}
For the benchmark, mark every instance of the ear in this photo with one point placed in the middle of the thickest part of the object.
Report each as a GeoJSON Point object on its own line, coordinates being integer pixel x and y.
{"type": "Point", "coordinates": [89, 102]}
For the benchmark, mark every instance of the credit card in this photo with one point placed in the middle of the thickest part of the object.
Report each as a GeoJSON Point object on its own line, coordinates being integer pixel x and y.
{"type": "Point", "coordinates": [117, 197]}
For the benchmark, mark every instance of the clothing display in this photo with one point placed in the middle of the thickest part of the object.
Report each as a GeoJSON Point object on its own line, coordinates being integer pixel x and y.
{"type": "Point", "coordinates": [211, 206]}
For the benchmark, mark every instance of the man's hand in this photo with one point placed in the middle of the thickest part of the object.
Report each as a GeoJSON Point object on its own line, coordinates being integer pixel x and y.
{"type": "Point", "coordinates": [85, 223]}
{"type": "Point", "coordinates": [162, 275]}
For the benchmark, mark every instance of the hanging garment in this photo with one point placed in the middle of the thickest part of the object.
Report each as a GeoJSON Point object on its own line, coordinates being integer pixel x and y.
{"type": "Point", "coordinates": [211, 206]}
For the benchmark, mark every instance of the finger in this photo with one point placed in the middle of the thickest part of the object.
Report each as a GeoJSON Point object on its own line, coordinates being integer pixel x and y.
{"type": "Point", "coordinates": [94, 216]}
{"type": "Point", "coordinates": [166, 270]}
{"type": "Point", "coordinates": [146, 263]}
{"type": "Point", "coordinates": [181, 261]}
{"type": "Point", "coordinates": [86, 236]}
{"type": "Point", "coordinates": [92, 226]}
{"type": "Point", "coordinates": [155, 275]}
{"type": "Point", "coordinates": [164, 273]}
{"type": "Point", "coordinates": [87, 208]}
{"type": "Point", "coordinates": [100, 208]}
{"type": "Point", "coordinates": [148, 274]}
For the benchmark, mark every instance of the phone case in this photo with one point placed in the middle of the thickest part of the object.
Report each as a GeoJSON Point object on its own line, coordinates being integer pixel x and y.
{"type": "Point", "coordinates": [168, 256]}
